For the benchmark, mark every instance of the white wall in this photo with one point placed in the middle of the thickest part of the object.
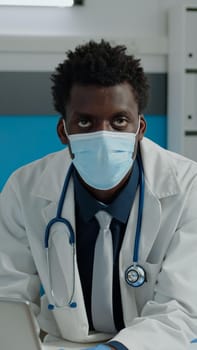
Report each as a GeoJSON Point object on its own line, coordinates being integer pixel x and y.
{"type": "Point", "coordinates": [97, 17]}
{"type": "Point", "coordinates": [30, 35]}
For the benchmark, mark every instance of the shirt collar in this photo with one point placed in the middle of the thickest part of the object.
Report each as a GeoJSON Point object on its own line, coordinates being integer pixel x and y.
{"type": "Point", "coordinates": [119, 208]}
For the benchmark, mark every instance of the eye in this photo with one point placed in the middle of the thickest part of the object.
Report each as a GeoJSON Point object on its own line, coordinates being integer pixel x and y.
{"type": "Point", "coordinates": [84, 123]}
{"type": "Point", "coordinates": [120, 122]}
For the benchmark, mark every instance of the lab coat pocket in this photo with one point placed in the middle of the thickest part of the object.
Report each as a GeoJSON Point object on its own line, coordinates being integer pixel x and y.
{"type": "Point", "coordinates": [71, 323]}
{"type": "Point", "coordinates": [146, 291]}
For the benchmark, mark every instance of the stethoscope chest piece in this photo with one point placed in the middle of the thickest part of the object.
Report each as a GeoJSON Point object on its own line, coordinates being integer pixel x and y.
{"type": "Point", "coordinates": [135, 275]}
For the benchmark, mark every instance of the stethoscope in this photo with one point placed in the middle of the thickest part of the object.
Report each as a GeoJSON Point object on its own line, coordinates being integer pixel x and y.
{"type": "Point", "coordinates": [135, 274]}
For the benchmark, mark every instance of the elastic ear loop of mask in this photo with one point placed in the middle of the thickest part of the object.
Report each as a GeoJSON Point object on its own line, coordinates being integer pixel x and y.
{"type": "Point", "coordinates": [69, 145]}
{"type": "Point", "coordinates": [138, 128]}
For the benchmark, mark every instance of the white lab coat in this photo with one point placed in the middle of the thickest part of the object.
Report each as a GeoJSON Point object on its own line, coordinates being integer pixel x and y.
{"type": "Point", "coordinates": [162, 314]}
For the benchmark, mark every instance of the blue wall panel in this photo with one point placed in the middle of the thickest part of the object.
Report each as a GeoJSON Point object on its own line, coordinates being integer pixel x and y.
{"type": "Point", "coordinates": [157, 129]}
{"type": "Point", "coordinates": [26, 138]}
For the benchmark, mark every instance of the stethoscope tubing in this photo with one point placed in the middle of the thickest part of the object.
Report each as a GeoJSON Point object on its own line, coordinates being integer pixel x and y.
{"type": "Point", "coordinates": [58, 217]}
{"type": "Point", "coordinates": [135, 267]}
{"type": "Point", "coordinates": [140, 212]}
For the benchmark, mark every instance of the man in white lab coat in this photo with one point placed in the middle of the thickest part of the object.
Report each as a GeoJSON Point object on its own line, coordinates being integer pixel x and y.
{"type": "Point", "coordinates": [146, 298]}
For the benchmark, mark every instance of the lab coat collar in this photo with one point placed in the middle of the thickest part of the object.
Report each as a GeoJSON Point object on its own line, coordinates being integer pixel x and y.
{"type": "Point", "coordinates": [160, 175]}
{"type": "Point", "coordinates": [52, 178]}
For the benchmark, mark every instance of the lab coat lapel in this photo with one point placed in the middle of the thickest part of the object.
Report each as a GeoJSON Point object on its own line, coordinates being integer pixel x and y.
{"type": "Point", "coordinates": [52, 176]}
{"type": "Point", "coordinates": [148, 234]}
{"type": "Point", "coordinates": [49, 190]}
{"type": "Point", "coordinates": [68, 210]}
{"type": "Point", "coordinates": [50, 186]}
{"type": "Point", "coordinates": [160, 182]}
{"type": "Point", "coordinates": [150, 223]}
{"type": "Point", "coordinates": [75, 319]}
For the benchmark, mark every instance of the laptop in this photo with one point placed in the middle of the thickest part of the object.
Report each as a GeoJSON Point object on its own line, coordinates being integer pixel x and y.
{"type": "Point", "coordinates": [17, 326]}
{"type": "Point", "coordinates": [18, 329]}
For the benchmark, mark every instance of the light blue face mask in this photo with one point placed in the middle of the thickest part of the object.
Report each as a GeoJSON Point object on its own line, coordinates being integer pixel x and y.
{"type": "Point", "coordinates": [103, 158]}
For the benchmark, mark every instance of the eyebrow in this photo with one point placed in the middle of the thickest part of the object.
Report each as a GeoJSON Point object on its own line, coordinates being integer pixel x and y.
{"type": "Point", "coordinates": [116, 114]}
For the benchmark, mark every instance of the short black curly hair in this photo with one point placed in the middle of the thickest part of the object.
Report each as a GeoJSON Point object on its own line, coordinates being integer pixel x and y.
{"type": "Point", "coordinates": [98, 64]}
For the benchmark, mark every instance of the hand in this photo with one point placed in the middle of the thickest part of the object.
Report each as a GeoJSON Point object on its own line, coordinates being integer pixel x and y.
{"type": "Point", "coordinates": [99, 347]}
{"type": "Point", "coordinates": [194, 340]}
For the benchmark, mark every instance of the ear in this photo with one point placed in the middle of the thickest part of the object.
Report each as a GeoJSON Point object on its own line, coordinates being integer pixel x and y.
{"type": "Point", "coordinates": [140, 134]}
{"type": "Point", "coordinates": [61, 132]}
{"type": "Point", "coordinates": [142, 127]}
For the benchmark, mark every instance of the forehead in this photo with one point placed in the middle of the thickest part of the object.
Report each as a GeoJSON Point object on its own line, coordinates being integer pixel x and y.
{"type": "Point", "coordinates": [119, 96]}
